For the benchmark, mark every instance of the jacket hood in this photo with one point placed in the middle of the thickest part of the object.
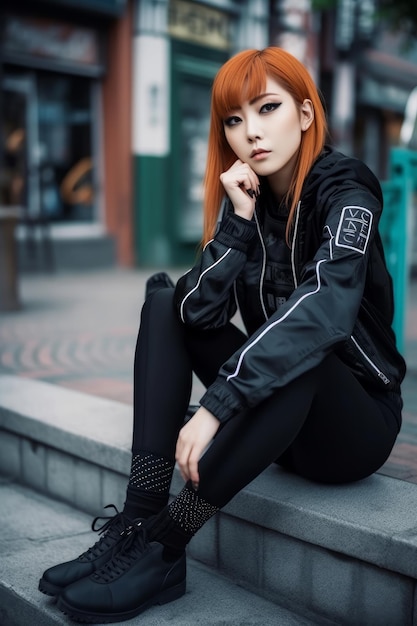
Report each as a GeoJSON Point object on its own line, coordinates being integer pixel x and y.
{"type": "Point", "coordinates": [332, 168]}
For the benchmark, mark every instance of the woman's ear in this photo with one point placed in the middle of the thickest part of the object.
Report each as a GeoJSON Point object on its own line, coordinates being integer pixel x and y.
{"type": "Point", "coordinates": [307, 114]}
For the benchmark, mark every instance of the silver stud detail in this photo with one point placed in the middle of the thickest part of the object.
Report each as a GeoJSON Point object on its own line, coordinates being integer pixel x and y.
{"type": "Point", "coordinates": [190, 511]}
{"type": "Point", "coordinates": [151, 472]}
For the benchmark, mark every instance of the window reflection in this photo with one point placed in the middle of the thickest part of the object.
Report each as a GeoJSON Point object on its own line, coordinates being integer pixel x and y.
{"type": "Point", "coordinates": [195, 119]}
{"type": "Point", "coordinates": [65, 139]}
{"type": "Point", "coordinates": [47, 129]}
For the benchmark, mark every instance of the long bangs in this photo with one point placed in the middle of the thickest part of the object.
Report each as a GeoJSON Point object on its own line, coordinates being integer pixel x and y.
{"type": "Point", "coordinates": [240, 79]}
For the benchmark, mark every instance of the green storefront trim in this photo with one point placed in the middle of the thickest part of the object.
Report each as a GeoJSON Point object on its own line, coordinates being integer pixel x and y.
{"type": "Point", "coordinates": [159, 180]}
{"type": "Point", "coordinates": [151, 201]}
{"type": "Point", "coordinates": [156, 244]}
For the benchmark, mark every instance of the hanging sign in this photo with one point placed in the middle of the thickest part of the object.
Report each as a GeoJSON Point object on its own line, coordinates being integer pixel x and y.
{"type": "Point", "coordinates": [199, 24]}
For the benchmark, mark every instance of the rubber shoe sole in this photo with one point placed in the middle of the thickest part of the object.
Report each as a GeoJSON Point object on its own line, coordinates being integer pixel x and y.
{"type": "Point", "coordinates": [165, 596]}
{"type": "Point", "coordinates": [48, 588]}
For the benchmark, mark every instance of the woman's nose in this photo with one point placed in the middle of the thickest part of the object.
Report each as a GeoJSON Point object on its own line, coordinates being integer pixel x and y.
{"type": "Point", "coordinates": [253, 131]}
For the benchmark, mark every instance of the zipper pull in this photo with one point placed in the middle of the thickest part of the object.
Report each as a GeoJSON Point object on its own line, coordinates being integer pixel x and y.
{"type": "Point", "coordinates": [384, 379]}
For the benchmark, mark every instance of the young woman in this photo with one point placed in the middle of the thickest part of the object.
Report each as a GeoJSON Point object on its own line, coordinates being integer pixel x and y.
{"type": "Point", "coordinates": [314, 384]}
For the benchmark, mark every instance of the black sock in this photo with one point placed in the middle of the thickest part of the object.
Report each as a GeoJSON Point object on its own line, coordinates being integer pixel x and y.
{"type": "Point", "coordinates": [142, 503]}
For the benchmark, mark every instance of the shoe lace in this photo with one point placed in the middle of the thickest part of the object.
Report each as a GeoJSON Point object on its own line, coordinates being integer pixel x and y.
{"type": "Point", "coordinates": [134, 545]}
{"type": "Point", "coordinates": [112, 528]}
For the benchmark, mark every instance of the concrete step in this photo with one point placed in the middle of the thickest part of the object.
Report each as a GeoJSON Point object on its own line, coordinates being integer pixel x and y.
{"type": "Point", "coordinates": [38, 532]}
{"type": "Point", "coordinates": [345, 555]}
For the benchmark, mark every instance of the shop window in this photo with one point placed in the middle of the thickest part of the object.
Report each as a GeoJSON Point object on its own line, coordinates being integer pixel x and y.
{"type": "Point", "coordinates": [47, 130]}
{"type": "Point", "coordinates": [65, 145]}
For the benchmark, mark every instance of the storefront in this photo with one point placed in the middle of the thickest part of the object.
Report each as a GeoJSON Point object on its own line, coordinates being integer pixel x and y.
{"type": "Point", "coordinates": [54, 64]}
{"type": "Point", "coordinates": [187, 42]}
{"type": "Point", "coordinates": [367, 72]}
{"type": "Point", "coordinates": [387, 76]}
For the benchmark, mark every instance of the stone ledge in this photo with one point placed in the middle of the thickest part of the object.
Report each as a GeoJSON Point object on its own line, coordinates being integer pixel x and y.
{"type": "Point", "coordinates": [84, 426]}
{"type": "Point", "coordinates": [373, 520]}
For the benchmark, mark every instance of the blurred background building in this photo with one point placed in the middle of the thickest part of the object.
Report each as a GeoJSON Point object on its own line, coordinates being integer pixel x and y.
{"type": "Point", "coordinates": [105, 108]}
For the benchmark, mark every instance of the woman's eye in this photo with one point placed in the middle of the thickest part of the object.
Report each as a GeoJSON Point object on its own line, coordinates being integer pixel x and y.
{"type": "Point", "coordinates": [232, 120]}
{"type": "Point", "coordinates": [270, 106]}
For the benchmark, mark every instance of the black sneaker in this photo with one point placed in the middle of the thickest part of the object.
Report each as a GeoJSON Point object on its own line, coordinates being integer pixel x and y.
{"type": "Point", "coordinates": [140, 575]}
{"type": "Point", "coordinates": [56, 578]}
{"type": "Point", "coordinates": [158, 281]}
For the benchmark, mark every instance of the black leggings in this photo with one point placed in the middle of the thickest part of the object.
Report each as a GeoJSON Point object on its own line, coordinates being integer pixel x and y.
{"type": "Point", "coordinates": [323, 425]}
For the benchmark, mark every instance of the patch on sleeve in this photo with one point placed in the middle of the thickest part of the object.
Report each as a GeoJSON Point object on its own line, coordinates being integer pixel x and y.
{"type": "Point", "coordinates": [354, 228]}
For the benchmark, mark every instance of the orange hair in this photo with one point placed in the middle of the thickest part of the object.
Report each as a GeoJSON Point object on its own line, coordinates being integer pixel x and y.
{"type": "Point", "coordinates": [244, 77]}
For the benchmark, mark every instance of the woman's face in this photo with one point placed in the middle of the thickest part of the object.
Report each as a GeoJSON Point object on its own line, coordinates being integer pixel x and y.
{"type": "Point", "coordinates": [266, 133]}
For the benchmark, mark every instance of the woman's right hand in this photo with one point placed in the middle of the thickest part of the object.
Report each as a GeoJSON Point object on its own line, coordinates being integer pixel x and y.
{"type": "Point", "coordinates": [242, 186]}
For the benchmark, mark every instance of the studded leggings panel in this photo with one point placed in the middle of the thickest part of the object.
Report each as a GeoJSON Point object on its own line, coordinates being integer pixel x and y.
{"type": "Point", "coordinates": [151, 472]}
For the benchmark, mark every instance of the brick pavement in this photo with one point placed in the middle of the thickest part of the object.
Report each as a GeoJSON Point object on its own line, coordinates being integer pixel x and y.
{"type": "Point", "coordinates": [79, 331]}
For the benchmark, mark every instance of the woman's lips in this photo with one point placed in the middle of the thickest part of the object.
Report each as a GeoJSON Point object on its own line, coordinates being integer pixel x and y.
{"type": "Point", "coordinates": [258, 155]}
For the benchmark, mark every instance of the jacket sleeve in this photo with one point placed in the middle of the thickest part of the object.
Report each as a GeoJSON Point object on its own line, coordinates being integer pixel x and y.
{"type": "Point", "coordinates": [320, 313]}
{"type": "Point", "coordinates": [204, 296]}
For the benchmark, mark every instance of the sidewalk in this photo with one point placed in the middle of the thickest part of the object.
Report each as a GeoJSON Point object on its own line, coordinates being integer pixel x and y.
{"type": "Point", "coordinates": [78, 330]}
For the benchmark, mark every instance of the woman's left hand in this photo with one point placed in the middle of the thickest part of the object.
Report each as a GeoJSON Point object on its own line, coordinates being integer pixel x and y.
{"type": "Point", "coordinates": [193, 439]}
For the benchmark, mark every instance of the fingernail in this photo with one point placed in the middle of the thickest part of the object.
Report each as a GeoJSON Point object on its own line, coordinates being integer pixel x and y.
{"type": "Point", "coordinates": [195, 486]}
{"type": "Point", "coordinates": [251, 192]}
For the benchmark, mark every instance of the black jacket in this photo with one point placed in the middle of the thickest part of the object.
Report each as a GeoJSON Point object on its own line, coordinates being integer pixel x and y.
{"type": "Point", "coordinates": [342, 300]}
